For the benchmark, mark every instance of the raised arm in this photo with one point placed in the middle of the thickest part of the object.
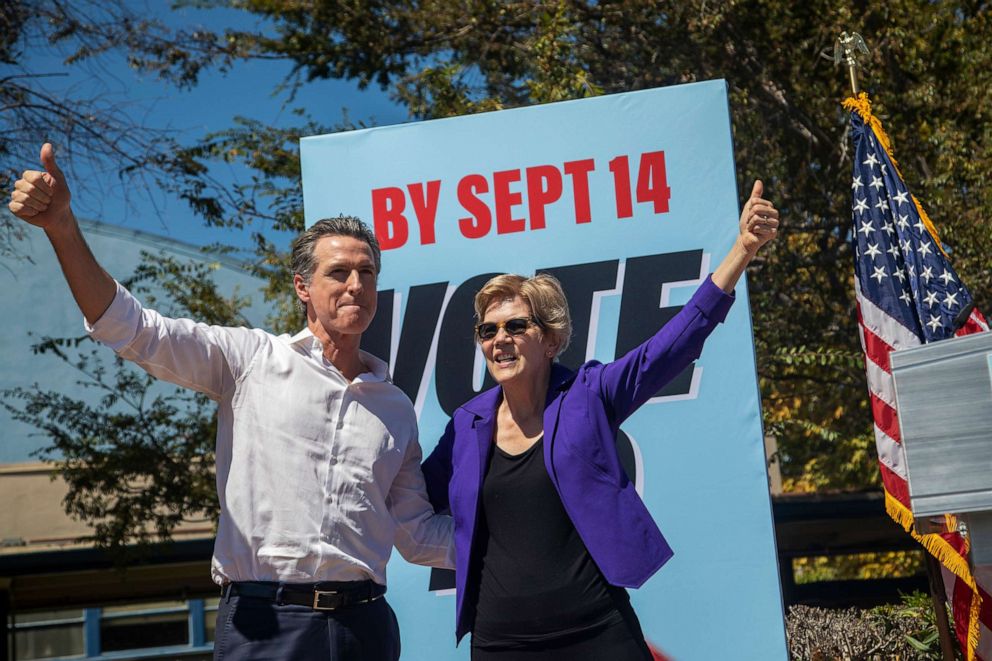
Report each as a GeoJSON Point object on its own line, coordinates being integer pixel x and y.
{"type": "Point", "coordinates": [634, 378]}
{"type": "Point", "coordinates": [205, 358]}
{"type": "Point", "coordinates": [43, 199]}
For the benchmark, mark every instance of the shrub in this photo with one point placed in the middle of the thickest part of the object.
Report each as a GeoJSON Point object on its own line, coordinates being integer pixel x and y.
{"type": "Point", "coordinates": [903, 632]}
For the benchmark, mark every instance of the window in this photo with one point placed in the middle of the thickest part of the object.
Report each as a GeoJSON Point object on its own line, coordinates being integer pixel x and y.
{"type": "Point", "coordinates": [48, 634]}
{"type": "Point", "coordinates": [210, 618]}
{"type": "Point", "coordinates": [137, 626]}
{"type": "Point", "coordinates": [162, 629]}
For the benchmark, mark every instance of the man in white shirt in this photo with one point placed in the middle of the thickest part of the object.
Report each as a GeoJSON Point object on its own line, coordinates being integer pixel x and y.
{"type": "Point", "coordinates": [318, 463]}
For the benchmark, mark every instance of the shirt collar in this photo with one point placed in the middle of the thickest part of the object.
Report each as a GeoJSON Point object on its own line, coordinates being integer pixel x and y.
{"type": "Point", "coordinates": [374, 366]}
{"type": "Point", "coordinates": [299, 338]}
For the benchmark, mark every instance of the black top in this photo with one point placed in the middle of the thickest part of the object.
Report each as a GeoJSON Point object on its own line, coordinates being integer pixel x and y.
{"type": "Point", "coordinates": [537, 580]}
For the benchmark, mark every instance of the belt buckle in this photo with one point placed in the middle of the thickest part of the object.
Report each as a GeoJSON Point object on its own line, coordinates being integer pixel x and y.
{"type": "Point", "coordinates": [316, 600]}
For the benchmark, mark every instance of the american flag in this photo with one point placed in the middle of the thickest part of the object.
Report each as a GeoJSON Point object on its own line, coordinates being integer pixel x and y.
{"type": "Point", "coordinates": [908, 294]}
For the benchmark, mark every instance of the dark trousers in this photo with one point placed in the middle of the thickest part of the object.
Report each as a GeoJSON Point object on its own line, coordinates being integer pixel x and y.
{"type": "Point", "coordinates": [250, 628]}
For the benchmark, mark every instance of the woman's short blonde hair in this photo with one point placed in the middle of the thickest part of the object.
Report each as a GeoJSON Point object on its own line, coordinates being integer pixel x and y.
{"type": "Point", "coordinates": [544, 295]}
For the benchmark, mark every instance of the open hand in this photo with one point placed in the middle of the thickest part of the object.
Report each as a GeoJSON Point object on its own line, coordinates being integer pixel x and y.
{"type": "Point", "coordinates": [41, 198]}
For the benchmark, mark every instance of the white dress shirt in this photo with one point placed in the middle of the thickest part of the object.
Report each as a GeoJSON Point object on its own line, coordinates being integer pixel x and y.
{"type": "Point", "coordinates": [318, 477]}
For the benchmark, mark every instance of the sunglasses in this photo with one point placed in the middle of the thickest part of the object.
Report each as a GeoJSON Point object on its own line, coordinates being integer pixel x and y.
{"type": "Point", "coordinates": [517, 326]}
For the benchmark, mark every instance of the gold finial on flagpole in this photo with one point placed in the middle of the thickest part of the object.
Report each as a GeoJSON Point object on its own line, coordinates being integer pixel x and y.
{"type": "Point", "coordinates": [847, 49]}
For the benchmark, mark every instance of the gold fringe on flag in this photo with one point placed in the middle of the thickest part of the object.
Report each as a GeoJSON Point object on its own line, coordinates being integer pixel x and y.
{"type": "Point", "coordinates": [973, 634]}
{"type": "Point", "coordinates": [862, 105]}
{"type": "Point", "coordinates": [948, 556]}
{"type": "Point", "coordinates": [935, 544]}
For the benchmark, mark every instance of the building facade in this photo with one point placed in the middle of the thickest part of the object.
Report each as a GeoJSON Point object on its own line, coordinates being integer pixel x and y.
{"type": "Point", "coordinates": [61, 597]}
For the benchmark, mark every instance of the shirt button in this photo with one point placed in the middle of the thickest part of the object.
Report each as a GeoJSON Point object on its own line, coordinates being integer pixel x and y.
{"type": "Point", "coordinates": [332, 461]}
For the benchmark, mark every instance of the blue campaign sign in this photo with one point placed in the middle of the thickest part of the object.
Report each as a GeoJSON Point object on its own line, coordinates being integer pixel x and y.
{"type": "Point", "coordinates": [630, 200]}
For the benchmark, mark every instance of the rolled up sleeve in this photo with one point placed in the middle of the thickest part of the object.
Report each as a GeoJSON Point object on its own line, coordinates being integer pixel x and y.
{"type": "Point", "coordinates": [205, 358]}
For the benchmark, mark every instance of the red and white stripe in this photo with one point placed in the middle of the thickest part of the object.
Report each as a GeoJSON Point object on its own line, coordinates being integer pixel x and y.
{"type": "Point", "coordinates": [880, 335]}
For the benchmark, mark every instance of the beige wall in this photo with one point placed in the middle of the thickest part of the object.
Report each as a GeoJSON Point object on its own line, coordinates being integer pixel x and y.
{"type": "Point", "coordinates": [31, 514]}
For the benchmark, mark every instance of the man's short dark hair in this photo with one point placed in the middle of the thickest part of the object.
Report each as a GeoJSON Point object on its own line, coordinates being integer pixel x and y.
{"type": "Point", "coordinates": [304, 263]}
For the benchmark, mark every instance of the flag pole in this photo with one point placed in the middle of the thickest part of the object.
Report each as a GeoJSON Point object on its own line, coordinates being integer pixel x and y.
{"type": "Point", "coordinates": [847, 49]}
{"type": "Point", "coordinates": [935, 582]}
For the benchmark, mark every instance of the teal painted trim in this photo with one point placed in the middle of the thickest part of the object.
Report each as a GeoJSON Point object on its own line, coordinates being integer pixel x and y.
{"type": "Point", "coordinates": [126, 615]}
{"type": "Point", "coordinates": [46, 624]}
{"type": "Point", "coordinates": [92, 617]}
{"type": "Point", "coordinates": [197, 627]}
{"type": "Point", "coordinates": [91, 632]}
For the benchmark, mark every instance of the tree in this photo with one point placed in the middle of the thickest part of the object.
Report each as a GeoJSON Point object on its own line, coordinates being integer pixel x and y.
{"type": "Point", "coordinates": [140, 460]}
{"type": "Point", "coordinates": [928, 74]}
{"type": "Point", "coordinates": [90, 123]}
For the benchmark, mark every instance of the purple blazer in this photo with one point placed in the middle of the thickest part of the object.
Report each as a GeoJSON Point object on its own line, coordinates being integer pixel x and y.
{"type": "Point", "coordinates": [582, 414]}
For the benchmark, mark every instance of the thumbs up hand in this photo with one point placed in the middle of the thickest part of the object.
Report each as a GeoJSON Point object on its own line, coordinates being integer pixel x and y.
{"type": "Point", "coordinates": [42, 197]}
{"type": "Point", "coordinates": [759, 220]}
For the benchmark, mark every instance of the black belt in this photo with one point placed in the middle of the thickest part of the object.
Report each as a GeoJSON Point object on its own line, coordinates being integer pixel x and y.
{"type": "Point", "coordinates": [318, 596]}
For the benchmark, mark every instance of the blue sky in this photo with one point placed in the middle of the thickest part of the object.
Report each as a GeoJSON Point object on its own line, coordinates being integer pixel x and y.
{"type": "Point", "coordinates": [210, 106]}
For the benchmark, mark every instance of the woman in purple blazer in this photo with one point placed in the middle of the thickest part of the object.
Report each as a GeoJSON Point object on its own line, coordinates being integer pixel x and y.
{"type": "Point", "coordinates": [548, 528]}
